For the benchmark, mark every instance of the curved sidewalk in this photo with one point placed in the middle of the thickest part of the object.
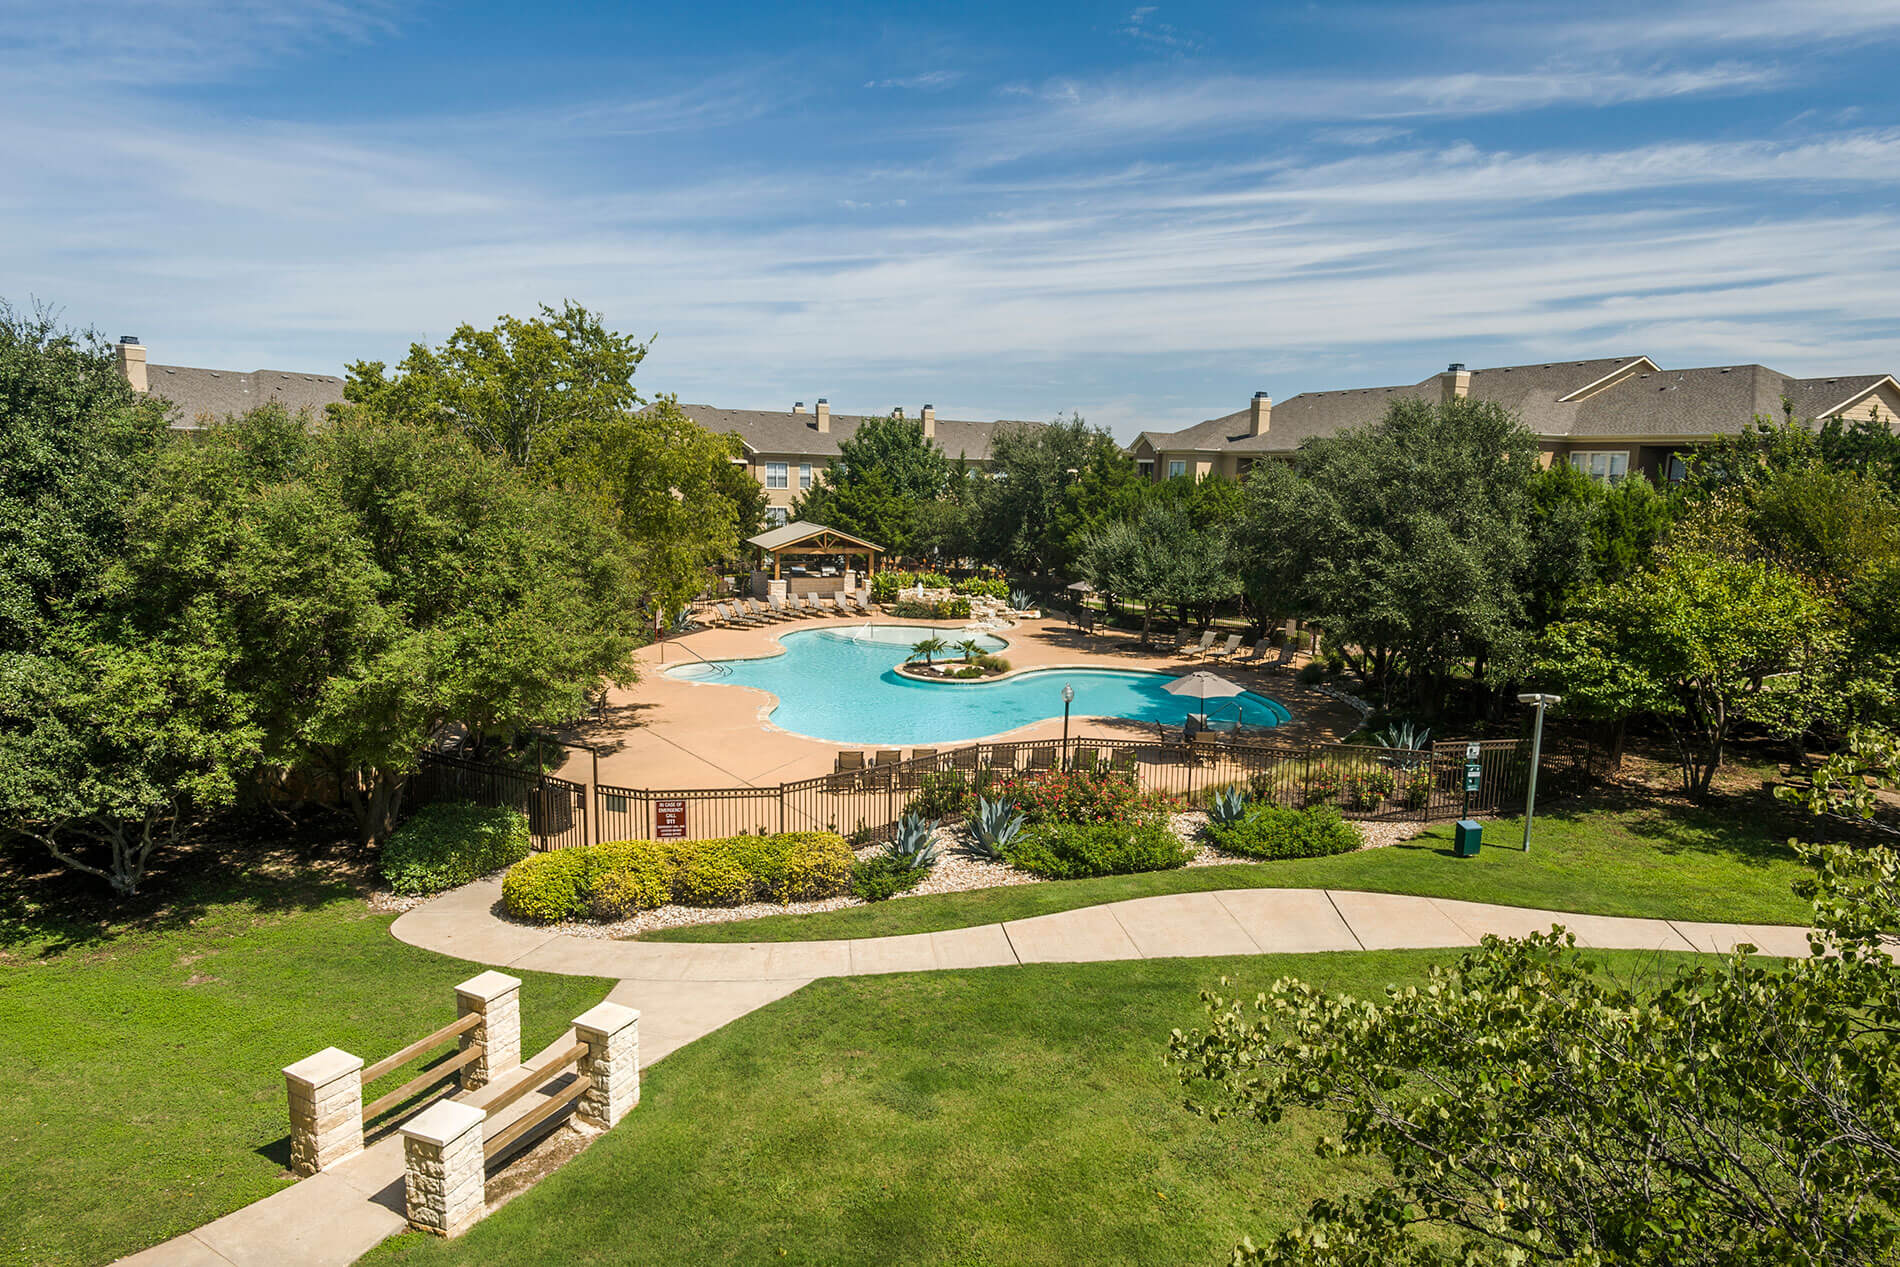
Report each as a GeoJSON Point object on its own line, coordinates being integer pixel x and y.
{"type": "Point", "coordinates": [466, 923]}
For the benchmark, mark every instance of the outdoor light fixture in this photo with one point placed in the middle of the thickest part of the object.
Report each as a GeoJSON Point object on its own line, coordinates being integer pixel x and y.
{"type": "Point", "coordinates": [1537, 751]}
{"type": "Point", "coordinates": [1068, 698]}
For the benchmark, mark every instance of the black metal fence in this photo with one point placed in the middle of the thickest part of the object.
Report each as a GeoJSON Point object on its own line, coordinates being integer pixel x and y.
{"type": "Point", "coordinates": [1452, 779]}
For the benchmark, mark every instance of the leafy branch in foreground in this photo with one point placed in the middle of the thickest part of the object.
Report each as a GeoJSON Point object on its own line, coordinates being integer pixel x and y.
{"type": "Point", "coordinates": [1534, 1110]}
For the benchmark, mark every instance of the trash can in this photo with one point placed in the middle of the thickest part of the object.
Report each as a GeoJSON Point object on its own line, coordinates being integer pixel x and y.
{"type": "Point", "coordinates": [1467, 835]}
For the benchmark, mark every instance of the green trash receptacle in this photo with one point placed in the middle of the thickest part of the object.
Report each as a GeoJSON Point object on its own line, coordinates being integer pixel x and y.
{"type": "Point", "coordinates": [1467, 835]}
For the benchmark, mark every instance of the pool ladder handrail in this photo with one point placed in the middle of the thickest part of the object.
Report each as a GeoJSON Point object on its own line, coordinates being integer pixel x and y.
{"type": "Point", "coordinates": [719, 669]}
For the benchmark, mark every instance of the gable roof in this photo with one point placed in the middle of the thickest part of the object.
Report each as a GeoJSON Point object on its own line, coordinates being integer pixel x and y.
{"type": "Point", "coordinates": [1607, 397]}
{"type": "Point", "coordinates": [796, 434]}
{"type": "Point", "coordinates": [199, 396]}
{"type": "Point", "coordinates": [803, 530]}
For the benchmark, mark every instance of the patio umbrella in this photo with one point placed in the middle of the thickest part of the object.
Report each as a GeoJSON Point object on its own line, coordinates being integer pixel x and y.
{"type": "Point", "coordinates": [1081, 587]}
{"type": "Point", "coordinates": [1203, 684]}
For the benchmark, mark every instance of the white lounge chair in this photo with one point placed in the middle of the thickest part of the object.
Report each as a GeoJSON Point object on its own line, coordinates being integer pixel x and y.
{"type": "Point", "coordinates": [1225, 649]}
{"type": "Point", "coordinates": [1200, 648]}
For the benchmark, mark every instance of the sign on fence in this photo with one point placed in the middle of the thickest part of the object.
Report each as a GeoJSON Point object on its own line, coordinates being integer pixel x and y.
{"type": "Point", "coordinates": [669, 819]}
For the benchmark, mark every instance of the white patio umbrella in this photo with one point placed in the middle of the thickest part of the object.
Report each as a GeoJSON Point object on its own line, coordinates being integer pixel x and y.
{"type": "Point", "coordinates": [1081, 587]}
{"type": "Point", "coordinates": [1202, 684]}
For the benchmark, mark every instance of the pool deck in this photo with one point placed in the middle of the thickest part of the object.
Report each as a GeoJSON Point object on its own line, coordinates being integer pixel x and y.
{"type": "Point", "coordinates": [666, 733]}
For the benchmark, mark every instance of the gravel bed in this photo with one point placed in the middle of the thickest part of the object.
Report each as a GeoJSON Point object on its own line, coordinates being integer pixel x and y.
{"type": "Point", "coordinates": [956, 872]}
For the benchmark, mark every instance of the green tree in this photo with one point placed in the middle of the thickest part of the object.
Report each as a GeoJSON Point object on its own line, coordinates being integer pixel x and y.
{"type": "Point", "coordinates": [1531, 1108]}
{"type": "Point", "coordinates": [1051, 486]}
{"type": "Point", "coordinates": [1162, 558]}
{"type": "Point", "coordinates": [885, 471]}
{"type": "Point", "coordinates": [1703, 643]}
{"type": "Point", "coordinates": [369, 583]}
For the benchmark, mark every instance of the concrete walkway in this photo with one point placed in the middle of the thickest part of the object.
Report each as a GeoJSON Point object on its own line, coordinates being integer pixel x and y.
{"type": "Point", "coordinates": [467, 924]}
{"type": "Point", "coordinates": [687, 990]}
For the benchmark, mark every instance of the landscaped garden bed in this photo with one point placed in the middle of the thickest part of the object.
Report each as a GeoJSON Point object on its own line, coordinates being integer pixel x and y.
{"type": "Point", "coordinates": [1025, 829]}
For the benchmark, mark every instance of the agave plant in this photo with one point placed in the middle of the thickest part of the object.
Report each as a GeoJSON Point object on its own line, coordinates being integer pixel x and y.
{"type": "Point", "coordinates": [924, 648]}
{"type": "Point", "coordinates": [1228, 806]}
{"type": "Point", "coordinates": [1019, 600]}
{"type": "Point", "coordinates": [993, 828]}
{"type": "Point", "coordinates": [915, 844]}
{"type": "Point", "coordinates": [1407, 736]}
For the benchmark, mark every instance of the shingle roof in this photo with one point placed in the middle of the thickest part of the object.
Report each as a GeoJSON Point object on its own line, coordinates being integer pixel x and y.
{"type": "Point", "coordinates": [198, 395]}
{"type": "Point", "coordinates": [1642, 401]}
{"type": "Point", "coordinates": [800, 530]}
{"type": "Point", "coordinates": [781, 431]}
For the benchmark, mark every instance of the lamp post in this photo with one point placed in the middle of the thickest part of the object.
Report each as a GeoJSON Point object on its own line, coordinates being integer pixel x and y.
{"type": "Point", "coordinates": [1068, 698]}
{"type": "Point", "coordinates": [1537, 752]}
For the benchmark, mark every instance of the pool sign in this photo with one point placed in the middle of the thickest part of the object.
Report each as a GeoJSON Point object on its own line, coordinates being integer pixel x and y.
{"type": "Point", "coordinates": [1472, 776]}
{"type": "Point", "coordinates": [669, 819]}
{"type": "Point", "coordinates": [1471, 751]}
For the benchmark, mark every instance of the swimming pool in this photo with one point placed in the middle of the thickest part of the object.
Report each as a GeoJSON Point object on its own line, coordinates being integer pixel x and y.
{"type": "Point", "coordinates": [840, 685]}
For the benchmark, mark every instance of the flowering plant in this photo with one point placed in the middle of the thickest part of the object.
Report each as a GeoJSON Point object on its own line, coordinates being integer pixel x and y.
{"type": "Point", "coordinates": [1081, 796]}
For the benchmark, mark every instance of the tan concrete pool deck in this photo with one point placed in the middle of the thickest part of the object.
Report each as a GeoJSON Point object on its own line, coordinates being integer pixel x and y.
{"type": "Point", "coordinates": [663, 732]}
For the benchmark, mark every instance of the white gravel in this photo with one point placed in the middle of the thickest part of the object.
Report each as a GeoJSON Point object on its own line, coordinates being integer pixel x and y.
{"type": "Point", "coordinates": [956, 872]}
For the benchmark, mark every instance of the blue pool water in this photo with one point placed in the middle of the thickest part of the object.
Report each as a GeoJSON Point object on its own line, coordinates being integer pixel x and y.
{"type": "Point", "coordinates": [840, 684]}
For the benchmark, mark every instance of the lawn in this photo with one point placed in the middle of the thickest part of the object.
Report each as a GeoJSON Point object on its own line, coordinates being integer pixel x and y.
{"type": "Point", "coordinates": [143, 1046]}
{"type": "Point", "coordinates": [1726, 862]}
{"type": "Point", "coordinates": [1015, 1115]}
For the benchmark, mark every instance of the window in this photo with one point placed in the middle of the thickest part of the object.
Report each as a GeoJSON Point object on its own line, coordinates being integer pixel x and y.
{"type": "Point", "coordinates": [1145, 469]}
{"type": "Point", "coordinates": [777, 516]}
{"type": "Point", "coordinates": [777, 475]}
{"type": "Point", "coordinates": [1603, 466]}
{"type": "Point", "coordinates": [804, 474]}
{"type": "Point", "coordinates": [1678, 469]}
{"type": "Point", "coordinates": [1242, 466]}
{"type": "Point", "coordinates": [1176, 467]}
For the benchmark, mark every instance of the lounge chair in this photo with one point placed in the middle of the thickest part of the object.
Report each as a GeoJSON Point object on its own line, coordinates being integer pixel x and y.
{"type": "Point", "coordinates": [1225, 649]}
{"type": "Point", "coordinates": [735, 618]}
{"type": "Point", "coordinates": [809, 604]}
{"type": "Point", "coordinates": [842, 601]}
{"type": "Point", "coordinates": [884, 765]}
{"type": "Point", "coordinates": [1200, 648]}
{"type": "Point", "coordinates": [849, 770]}
{"type": "Point", "coordinates": [762, 611]}
{"type": "Point", "coordinates": [1122, 760]}
{"type": "Point", "coordinates": [1254, 654]}
{"type": "Point", "coordinates": [964, 758]}
{"type": "Point", "coordinates": [861, 600]}
{"type": "Point", "coordinates": [923, 754]}
{"type": "Point", "coordinates": [1042, 759]}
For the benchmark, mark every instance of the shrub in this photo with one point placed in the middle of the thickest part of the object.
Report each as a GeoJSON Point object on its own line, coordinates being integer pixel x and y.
{"type": "Point", "coordinates": [622, 877]}
{"type": "Point", "coordinates": [1323, 784]}
{"type": "Point", "coordinates": [817, 865]}
{"type": "Point", "coordinates": [885, 586]}
{"type": "Point", "coordinates": [1367, 789]}
{"type": "Point", "coordinates": [944, 794]}
{"type": "Point", "coordinates": [1273, 831]}
{"type": "Point", "coordinates": [447, 845]}
{"type": "Point", "coordinates": [714, 877]}
{"type": "Point", "coordinates": [546, 887]}
{"type": "Point", "coordinates": [1071, 851]}
{"type": "Point", "coordinates": [1311, 672]}
{"type": "Point", "coordinates": [881, 876]}
{"type": "Point", "coordinates": [1081, 796]}
{"type": "Point", "coordinates": [977, 587]}
{"type": "Point", "coordinates": [1418, 787]}
{"type": "Point", "coordinates": [992, 663]}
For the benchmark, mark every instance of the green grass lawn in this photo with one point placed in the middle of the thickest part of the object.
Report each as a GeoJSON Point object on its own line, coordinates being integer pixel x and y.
{"type": "Point", "coordinates": [142, 1047]}
{"type": "Point", "coordinates": [1010, 1116]}
{"type": "Point", "coordinates": [1728, 862]}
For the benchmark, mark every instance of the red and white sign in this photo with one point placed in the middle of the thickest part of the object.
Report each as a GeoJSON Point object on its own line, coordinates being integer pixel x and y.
{"type": "Point", "coordinates": [669, 819]}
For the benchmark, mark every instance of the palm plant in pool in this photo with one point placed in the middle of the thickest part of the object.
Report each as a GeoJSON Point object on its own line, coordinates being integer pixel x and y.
{"type": "Point", "coordinates": [970, 648]}
{"type": "Point", "coordinates": [924, 648]}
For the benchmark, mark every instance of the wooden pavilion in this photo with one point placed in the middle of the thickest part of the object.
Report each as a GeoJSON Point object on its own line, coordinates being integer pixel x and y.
{"type": "Point", "coordinates": [801, 538]}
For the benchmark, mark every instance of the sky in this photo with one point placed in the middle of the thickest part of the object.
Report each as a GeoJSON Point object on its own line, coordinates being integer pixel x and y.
{"type": "Point", "coordinates": [1142, 213]}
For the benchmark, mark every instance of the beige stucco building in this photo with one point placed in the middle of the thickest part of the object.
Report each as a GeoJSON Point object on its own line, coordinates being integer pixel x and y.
{"type": "Point", "coordinates": [1608, 417]}
{"type": "Point", "coordinates": [787, 451]}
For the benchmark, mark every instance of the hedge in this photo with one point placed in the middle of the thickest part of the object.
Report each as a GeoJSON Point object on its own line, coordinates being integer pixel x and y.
{"type": "Point", "coordinates": [1275, 831]}
{"type": "Point", "coordinates": [615, 879]}
{"type": "Point", "coordinates": [448, 845]}
{"type": "Point", "coordinates": [1072, 851]}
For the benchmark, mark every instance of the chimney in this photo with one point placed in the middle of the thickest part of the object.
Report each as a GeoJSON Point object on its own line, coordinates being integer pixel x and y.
{"type": "Point", "coordinates": [132, 362]}
{"type": "Point", "coordinates": [824, 415]}
{"type": "Point", "coordinates": [1261, 415]}
{"type": "Point", "coordinates": [1455, 381]}
{"type": "Point", "coordinates": [799, 408]}
{"type": "Point", "coordinates": [930, 422]}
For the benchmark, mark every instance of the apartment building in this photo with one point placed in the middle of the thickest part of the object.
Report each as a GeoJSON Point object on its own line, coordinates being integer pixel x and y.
{"type": "Point", "coordinates": [1608, 417]}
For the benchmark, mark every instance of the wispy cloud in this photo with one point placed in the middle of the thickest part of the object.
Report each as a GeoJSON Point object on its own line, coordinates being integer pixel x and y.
{"type": "Point", "coordinates": [929, 79]}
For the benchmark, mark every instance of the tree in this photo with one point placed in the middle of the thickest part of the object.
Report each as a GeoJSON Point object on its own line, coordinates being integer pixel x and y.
{"type": "Point", "coordinates": [1418, 541]}
{"type": "Point", "coordinates": [924, 648]}
{"type": "Point", "coordinates": [532, 390]}
{"type": "Point", "coordinates": [369, 583]}
{"type": "Point", "coordinates": [1162, 558]}
{"type": "Point", "coordinates": [884, 473]}
{"type": "Point", "coordinates": [1694, 643]}
{"type": "Point", "coordinates": [1621, 524]}
{"type": "Point", "coordinates": [1531, 1109]}
{"type": "Point", "coordinates": [554, 396]}
{"type": "Point", "coordinates": [1050, 486]}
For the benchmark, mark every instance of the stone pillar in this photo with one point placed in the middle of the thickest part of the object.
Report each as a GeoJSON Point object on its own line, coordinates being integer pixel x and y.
{"type": "Point", "coordinates": [611, 1065]}
{"type": "Point", "coordinates": [497, 997]}
{"type": "Point", "coordinates": [326, 1109]}
{"type": "Point", "coordinates": [444, 1182]}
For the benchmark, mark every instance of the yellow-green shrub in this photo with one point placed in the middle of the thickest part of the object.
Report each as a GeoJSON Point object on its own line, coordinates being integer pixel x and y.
{"type": "Point", "coordinates": [546, 887]}
{"type": "Point", "coordinates": [817, 865]}
{"type": "Point", "coordinates": [626, 876]}
{"type": "Point", "coordinates": [714, 875]}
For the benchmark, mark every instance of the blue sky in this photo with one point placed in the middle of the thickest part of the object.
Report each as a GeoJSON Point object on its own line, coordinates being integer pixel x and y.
{"type": "Point", "coordinates": [1144, 213]}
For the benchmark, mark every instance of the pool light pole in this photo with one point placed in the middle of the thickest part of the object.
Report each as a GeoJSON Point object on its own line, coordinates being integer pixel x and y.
{"type": "Point", "coordinates": [1068, 698]}
{"type": "Point", "coordinates": [1537, 751]}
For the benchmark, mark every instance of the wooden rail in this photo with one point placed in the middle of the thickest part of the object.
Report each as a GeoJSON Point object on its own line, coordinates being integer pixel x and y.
{"type": "Point", "coordinates": [534, 1077]}
{"type": "Point", "coordinates": [503, 1139]}
{"type": "Point", "coordinates": [454, 1029]}
{"type": "Point", "coordinates": [427, 1078]}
